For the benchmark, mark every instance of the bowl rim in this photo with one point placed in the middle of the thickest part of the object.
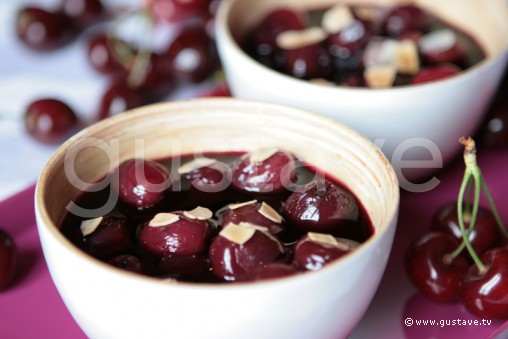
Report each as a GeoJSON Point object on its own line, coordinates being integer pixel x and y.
{"type": "Point", "coordinates": [44, 221]}
{"type": "Point", "coordinates": [224, 36]}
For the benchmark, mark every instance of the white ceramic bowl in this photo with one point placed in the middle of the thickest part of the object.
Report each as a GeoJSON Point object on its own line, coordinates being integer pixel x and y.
{"type": "Point", "coordinates": [111, 303]}
{"type": "Point", "coordinates": [421, 122]}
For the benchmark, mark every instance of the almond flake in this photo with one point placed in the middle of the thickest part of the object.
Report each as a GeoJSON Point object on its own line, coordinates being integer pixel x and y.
{"type": "Point", "coordinates": [163, 219]}
{"type": "Point", "coordinates": [262, 229]}
{"type": "Point", "coordinates": [407, 59]}
{"type": "Point", "coordinates": [438, 41]}
{"type": "Point", "coordinates": [262, 154]}
{"type": "Point", "coordinates": [367, 13]}
{"type": "Point", "coordinates": [322, 82]}
{"type": "Point", "coordinates": [294, 39]}
{"type": "Point", "coordinates": [268, 212]}
{"type": "Point", "coordinates": [195, 164]}
{"type": "Point", "coordinates": [337, 18]}
{"type": "Point", "coordinates": [89, 226]}
{"type": "Point", "coordinates": [380, 76]}
{"type": "Point", "coordinates": [380, 51]}
{"type": "Point", "coordinates": [241, 204]}
{"type": "Point", "coordinates": [237, 234]}
{"type": "Point", "coordinates": [200, 213]}
{"type": "Point", "coordinates": [324, 239]}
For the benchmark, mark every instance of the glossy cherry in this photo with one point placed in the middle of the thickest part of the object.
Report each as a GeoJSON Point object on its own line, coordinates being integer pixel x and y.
{"type": "Point", "coordinates": [312, 255]}
{"type": "Point", "coordinates": [183, 237]}
{"type": "Point", "coordinates": [127, 262]}
{"type": "Point", "coordinates": [273, 175]}
{"type": "Point", "coordinates": [251, 213]}
{"type": "Point", "coordinates": [42, 30]}
{"type": "Point", "coordinates": [434, 73]}
{"type": "Point", "coordinates": [83, 13]}
{"type": "Point", "coordinates": [104, 53]}
{"type": "Point", "coordinates": [192, 56]}
{"type": "Point", "coordinates": [112, 236]}
{"type": "Point", "coordinates": [309, 62]}
{"type": "Point", "coordinates": [485, 293]}
{"type": "Point", "coordinates": [49, 120]}
{"type": "Point", "coordinates": [261, 43]}
{"type": "Point", "coordinates": [156, 83]}
{"type": "Point", "coordinates": [323, 207]}
{"type": "Point", "coordinates": [485, 234]}
{"type": "Point", "coordinates": [141, 183]}
{"type": "Point", "coordinates": [432, 271]}
{"type": "Point", "coordinates": [118, 98]}
{"type": "Point", "coordinates": [8, 259]}
{"type": "Point", "coordinates": [271, 271]}
{"type": "Point", "coordinates": [178, 10]}
{"type": "Point", "coordinates": [442, 46]}
{"type": "Point", "coordinates": [406, 18]}
{"type": "Point", "coordinates": [231, 261]}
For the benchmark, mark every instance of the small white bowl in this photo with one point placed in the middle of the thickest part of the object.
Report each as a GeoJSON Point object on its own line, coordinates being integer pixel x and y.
{"type": "Point", "coordinates": [111, 303]}
{"type": "Point", "coordinates": [419, 122]}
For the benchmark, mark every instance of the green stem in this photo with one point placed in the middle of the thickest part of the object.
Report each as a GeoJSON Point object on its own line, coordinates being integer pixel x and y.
{"type": "Point", "coordinates": [142, 59]}
{"type": "Point", "coordinates": [492, 205]}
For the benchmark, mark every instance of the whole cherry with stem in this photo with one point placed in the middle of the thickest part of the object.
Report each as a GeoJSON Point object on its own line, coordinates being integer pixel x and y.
{"type": "Point", "coordinates": [484, 290]}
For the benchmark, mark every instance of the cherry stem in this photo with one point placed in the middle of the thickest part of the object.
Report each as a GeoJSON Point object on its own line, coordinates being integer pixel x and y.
{"type": "Point", "coordinates": [473, 171]}
{"type": "Point", "coordinates": [142, 59]}
{"type": "Point", "coordinates": [494, 209]}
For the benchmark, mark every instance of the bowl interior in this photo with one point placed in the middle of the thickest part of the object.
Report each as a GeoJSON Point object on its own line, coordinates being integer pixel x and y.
{"type": "Point", "coordinates": [217, 125]}
{"type": "Point", "coordinates": [485, 21]}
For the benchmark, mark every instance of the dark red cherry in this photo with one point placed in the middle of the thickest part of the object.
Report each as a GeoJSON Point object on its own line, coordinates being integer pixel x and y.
{"type": "Point", "coordinates": [156, 84]}
{"type": "Point", "coordinates": [118, 98]}
{"type": "Point", "coordinates": [208, 184]}
{"type": "Point", "coordinates": [83, 13]}
{"type": "Point", "coordinates": [323, 207]}
{"type": "Point", "coordinates": [253, 212]}
{"type": "Point", "coordinates": [315, 250]}
{"type": "Point", "coordinates": [309, 62]}
{"type": "Point", "coordinates": [238, 250]}
{"type": "Point", "coordinates": [406, 18]}
{"type": "Point", "coordinates": [8, 259]}
{"type": "Point", "coordinates": [219, 90]}
{"type": "Point", "coordinates": [434, 73]}
{"type": "Point", "coordinates": [268, 175]}
{"type": "Point", "coordinates": [355, 80]}
{"type": "Point", "coordinates": [183, 267]}
{"type": "Point", "coordinates": [177, 233]}
{"type": "Point", "coordinates": [50, 120]}
{"type": "Point", "coordinates": [349, 40]}
{"type": "Point", "coordinates": [112, 236]}
{"type": "Point", "coordinates": [271, 271]}
{"type": "Point", "coordinates": [42, 30]}
{"type": "Point", "coordinates": [431, 270]}
{"type": "Point", "coordinates": [141, 183]}
{"type": "Point", "coordinates": [441, 46]}
{"type": "Point", "coordinates": [192, 56]}
{"type": "Point", "coordinates": [178, 10]}
{"type": "Point", "coordinates": [127, 262]}
{"type": "Point", "coordinates": [485, 294]}
{"type": "Point", "coordinates": [261, 43]}
{"type": "Point", "coordinates": [485, 234]}
{"type": "Point", "coordinates": [103, 53]}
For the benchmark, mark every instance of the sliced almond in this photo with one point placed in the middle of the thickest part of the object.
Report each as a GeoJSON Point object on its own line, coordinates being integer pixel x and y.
{"type": "Point", "coordinates": [268, 212]}
{"type": "Point", "coordinates": [163, 219]}
{"type": "Point", "coordinates": [89, 226]}
{"type": "Point", "coordinates": [199, 213]}
{"type": "Point", "coordinates": [324, 239]}
{"type": "Point", "coordinates": [322, 82]}
{"type": "Point", "coordinates": [294, 39]}
{"type": "Point", "coordinates": [380, 51]}
{"type": "Point", "coordinates": [241, 204]}
{"type": "Point", "coordinates": [438, 41]}
{"type": "Point", "coordinates": [262, 154]}
{"type": "Point", "coordinates": [237, 234]}
{"type": "Point", "coordinates": [380, 76]}
{"type": "Point", "coordinates": [407, 60]}
{"type": "Point", "coordinates": [337, 18]}
{"type": "Point", "coordinates": [263, 229]}
{"type": "Point", "coordinates": [195, 164]}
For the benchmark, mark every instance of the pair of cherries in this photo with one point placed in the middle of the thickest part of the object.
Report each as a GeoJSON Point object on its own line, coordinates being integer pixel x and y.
{"type": "Point", "coordinates": [263, 231]}
{"type": "Point", "coordinates": [438, 263]}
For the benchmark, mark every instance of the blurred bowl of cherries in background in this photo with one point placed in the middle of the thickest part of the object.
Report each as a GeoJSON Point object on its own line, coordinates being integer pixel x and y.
{"type": "Point", "coordinates": [412, 76]}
